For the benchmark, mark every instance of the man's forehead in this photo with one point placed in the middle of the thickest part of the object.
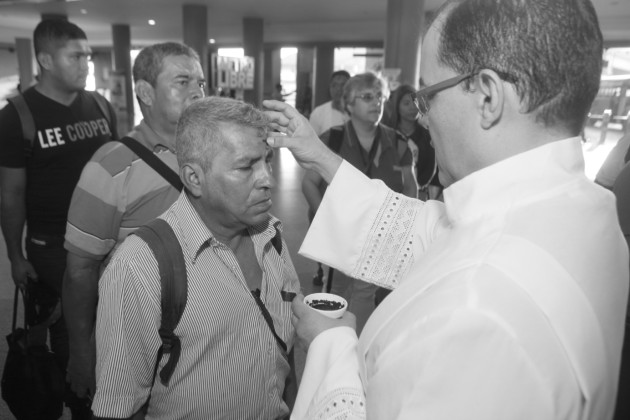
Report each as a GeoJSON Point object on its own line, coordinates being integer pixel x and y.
{"type": "Point", "coordinates": [71, 45]}
{"type": "Point", "coordinates": [180, 63]}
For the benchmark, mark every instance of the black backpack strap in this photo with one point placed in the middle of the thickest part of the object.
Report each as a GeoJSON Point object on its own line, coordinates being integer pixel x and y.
{"type": "Point", "coordinates": [335, 138]}
{"type": "Point", "coordinates": [160, 237]}
{"type": "Point", "coordinates": [26, 121]}
{"type": "Point", "coordinates": [268, 319]}
{"type": "Point", "coordinates": [104, 107]}
{"type": "Point", "coordinates": [276, 241]}
{"type": "Point", "coordinates": [153, 161]}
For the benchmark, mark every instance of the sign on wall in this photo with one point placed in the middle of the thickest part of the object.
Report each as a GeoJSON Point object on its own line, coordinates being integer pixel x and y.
{"type": "Point", "coordinates": [233, 72]}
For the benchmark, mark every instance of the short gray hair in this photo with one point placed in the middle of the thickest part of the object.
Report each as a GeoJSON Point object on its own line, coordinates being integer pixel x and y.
{"type": "Point", "coordinates": [200, 127]}
{"type": "Point", "coordinates": [148, 63]}
{"type": "Point", "coordinates": [363, 81]}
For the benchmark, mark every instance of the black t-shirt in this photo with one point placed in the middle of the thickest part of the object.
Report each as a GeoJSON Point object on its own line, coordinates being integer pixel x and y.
{"type": "Point", "coordinates": [67, 136]}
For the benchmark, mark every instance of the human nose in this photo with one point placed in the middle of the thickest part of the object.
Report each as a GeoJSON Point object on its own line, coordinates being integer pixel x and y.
{"type": "Point", "coordinates": [198, 91]}
{"type": "Point", "coordinates": [265, 177]}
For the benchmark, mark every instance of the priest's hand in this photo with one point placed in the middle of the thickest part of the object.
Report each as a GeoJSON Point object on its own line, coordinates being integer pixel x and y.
{"type": "Point", "coordinates": [295, 133]}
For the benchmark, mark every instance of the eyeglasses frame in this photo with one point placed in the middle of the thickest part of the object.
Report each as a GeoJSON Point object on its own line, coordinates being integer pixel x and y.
{"type": "Point", "coordinates": [421, 97]}
{"type": "Point", "coordinates": [382, 99]}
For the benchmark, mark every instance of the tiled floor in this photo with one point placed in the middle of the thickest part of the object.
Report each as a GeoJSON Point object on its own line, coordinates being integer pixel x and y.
{"type": "Point", "coordinates": [290, 207]}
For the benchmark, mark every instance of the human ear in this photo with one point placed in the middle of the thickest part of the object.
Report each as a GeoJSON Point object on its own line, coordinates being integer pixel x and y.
{"type": "Point", "coordinates": [145, 92]}
{"type": "Point", "coordinates": [45, 60]}
{"type": "Point", "coordinates": [192, 176]}
{"type": "Point", "coordinates": [491, 93]}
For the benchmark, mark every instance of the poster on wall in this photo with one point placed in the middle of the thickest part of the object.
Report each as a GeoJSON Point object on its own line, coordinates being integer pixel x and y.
{"type": "Point", "coordinates": [232, 73]}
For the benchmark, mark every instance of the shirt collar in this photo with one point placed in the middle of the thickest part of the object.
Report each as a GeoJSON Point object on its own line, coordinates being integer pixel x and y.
{"type": "Point", "coordinates": [149, 137]}
{"type": "Point", "coordinates": [197, 236]}
{"type": "Point", "coordinates": [492, 190]}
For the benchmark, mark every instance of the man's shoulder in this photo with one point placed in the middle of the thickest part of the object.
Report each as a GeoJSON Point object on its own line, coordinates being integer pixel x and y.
{"type": "Point", "coordinates": [321, 110]}
{"type": "Point", "coordinates": [323, 107]}
{"type": "Point", "coordinates": [114, 157]}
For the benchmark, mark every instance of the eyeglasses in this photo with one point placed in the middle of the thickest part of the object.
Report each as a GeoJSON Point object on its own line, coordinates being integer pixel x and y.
{"type": "Point", "coordinates": [369, 97]}
{"type": "Point", "coordinates": [421, 97]}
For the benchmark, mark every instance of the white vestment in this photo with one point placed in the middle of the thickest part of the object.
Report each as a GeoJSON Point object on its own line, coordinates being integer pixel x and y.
{"type": "Point", "coordinates": [509, 298]}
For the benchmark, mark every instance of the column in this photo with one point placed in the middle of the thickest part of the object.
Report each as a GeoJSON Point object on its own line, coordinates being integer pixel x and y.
{"type": "Point", "coordinates": [271, 70]}
{"type": "Point", "coordinates": [405, 19]}
{"type": "Point", "coordinates": [253, 33]}
{"type": "Point", "coordinates": [324, 67]}
{"type": "Point", "coordinates": [196, 33]}
{"type": "Point", "coordinates": [120, 79]}
{"type": "Point", "coordinates": [304, 80]}
{"type": "Point", "coordinates": [24, 49]}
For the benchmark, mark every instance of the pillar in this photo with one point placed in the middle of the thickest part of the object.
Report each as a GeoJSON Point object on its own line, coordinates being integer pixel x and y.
{"type": "Point", "coordinates": [271, 70]}
{"type": "Point", "coordinates": [253, 33]}
{"type": "Point", "coordinates": [24, 49]}
{"type": "Point", "coordinates": [304, 80]}
{"type": "Point", "coordinates": [405, 19]}
{"type": "Point", "coordinates": [324, 67]}
{"type": "Point", "coordinates": [120, 79]}
{"type": "Point", "coordinates": [196, 33]}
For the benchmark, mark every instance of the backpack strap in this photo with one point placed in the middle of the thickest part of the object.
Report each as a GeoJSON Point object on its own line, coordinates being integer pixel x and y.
{"type": "Point", "coordinates": [161, 238]}
{"type": "Point", "coordinates": [26, 121]}
{"type": "Point", "coordinates": [153, 161]}
{"type": "Point", "coordinates": [335, 139]}
{"type": "Point", "coordinates": [104, 107]}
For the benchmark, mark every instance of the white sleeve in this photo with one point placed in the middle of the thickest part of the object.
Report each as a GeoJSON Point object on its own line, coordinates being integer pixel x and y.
{"type": "Point", "coordinates": [367, 231]}
{"type": "Point", "coordinates": [331, 386]}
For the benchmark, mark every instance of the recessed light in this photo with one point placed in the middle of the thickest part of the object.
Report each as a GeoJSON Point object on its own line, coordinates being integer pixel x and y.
{"type": "Point", "coordinates": [212, 40]}
{"type": "Point", "coordinates": [151, 22]}
{"type": "Point", "coordinates": [83, 11]}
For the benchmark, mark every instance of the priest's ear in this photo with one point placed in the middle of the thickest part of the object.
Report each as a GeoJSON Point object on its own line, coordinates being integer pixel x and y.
{"type": "Point", "coordinates": [491, 98]}
{"type": "Point", "coordinates": [145, 92]}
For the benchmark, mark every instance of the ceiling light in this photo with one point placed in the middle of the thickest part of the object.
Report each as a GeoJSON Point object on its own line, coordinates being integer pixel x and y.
{"type": "Point", "coordinates": [212, 40]}
{"type": "Point", "coordinates": [151, 22]}
{"type": "Point", "coordinates": [83, 11]}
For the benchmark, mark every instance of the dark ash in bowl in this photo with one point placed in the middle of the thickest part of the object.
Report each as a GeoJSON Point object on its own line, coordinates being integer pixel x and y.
{"type": "Point", "coordinates": [325, 305]}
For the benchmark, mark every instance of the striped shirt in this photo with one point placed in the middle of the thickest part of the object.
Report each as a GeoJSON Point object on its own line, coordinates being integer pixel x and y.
{"type": "Point", "coordinates": [117, 193]}
{"type": "Point", "coordinates": [231, 366]}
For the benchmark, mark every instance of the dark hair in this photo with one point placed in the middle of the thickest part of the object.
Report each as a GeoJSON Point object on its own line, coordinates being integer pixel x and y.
{"type": "Point", "coordinates": [200, 127]}
{"type": "Point", "coordinates": [391, 116]}
{"type": "Point", "coordinates": [340, 73]}
{"type": "Point", "coordinates": [54, 31]}
{"type": "Point", "coordinates": [550, 50]}
{"type": "Point", "coordinates": [148, 63]}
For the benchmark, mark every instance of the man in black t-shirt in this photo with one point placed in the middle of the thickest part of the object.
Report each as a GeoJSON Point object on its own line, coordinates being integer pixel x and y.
{"type": "Point", "coordinates": [36, 187]}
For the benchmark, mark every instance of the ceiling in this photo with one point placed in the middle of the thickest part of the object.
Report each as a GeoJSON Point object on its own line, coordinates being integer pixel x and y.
{"type": "Point", "coordinates": [285, 21]}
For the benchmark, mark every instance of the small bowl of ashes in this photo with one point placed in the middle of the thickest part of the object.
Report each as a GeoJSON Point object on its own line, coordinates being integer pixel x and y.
{"type": "Point", "coordinates": [328, 304]}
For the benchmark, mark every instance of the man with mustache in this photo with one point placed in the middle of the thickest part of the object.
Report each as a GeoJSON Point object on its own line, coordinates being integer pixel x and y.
{"type": "Point", "coordinates": [235, 332]}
